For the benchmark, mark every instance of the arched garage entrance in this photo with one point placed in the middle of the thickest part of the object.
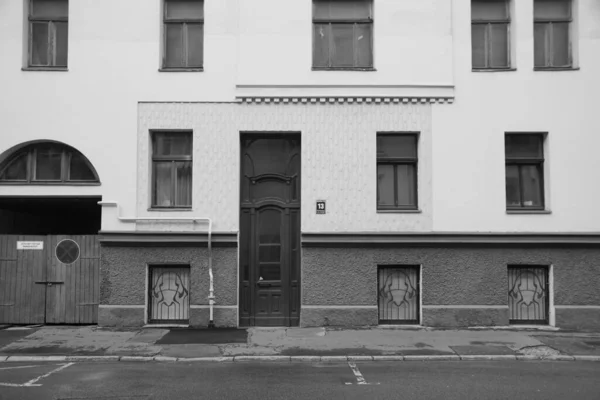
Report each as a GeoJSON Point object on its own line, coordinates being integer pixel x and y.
{"type": "Point", "coordinates": [49, 252]}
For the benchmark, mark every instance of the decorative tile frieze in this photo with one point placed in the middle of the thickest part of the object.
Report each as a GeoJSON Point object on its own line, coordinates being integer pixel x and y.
{"type": "Point", "coordinates": [347, 100]}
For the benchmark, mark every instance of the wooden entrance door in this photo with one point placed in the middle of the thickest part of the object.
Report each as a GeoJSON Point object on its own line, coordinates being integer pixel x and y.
{"type": "Point", "coordinates": [49, 279]}
{"type": "Point", "coordinates": [270, 231]}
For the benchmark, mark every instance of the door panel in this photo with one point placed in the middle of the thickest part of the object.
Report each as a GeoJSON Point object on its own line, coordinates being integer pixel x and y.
{"type": "Point", "coordinates": [21, 299]}
{"type": "Point", "coordinates": [73, 279]}
{"type": "Point", "coordinates": [270, 231]}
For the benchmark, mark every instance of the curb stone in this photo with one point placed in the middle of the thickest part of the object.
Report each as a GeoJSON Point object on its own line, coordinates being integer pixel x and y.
{"type": "Point", "coordinates": [92, 358]}
{"type": "Point", "coordinates": [334, 358]}
{"type": "Point", "coordinates": [305, 358]}
{"type": "Point", "coordinates": [488, 358]}
{"type": "Point", "coordinates": [136, 358]}
{"type": "Point", "coordinates": [360, 358]}
{"type": "Point", "coordinates": [35, 358]}
{"type": "Point", "coordinates": [561, 357]}
{"type": "Point", "coordinates": [261, 358]}
{"type": "Point", "coordinates": [164, 358]}
{"type": "Point", "coordinates": [388, 358]}
{"type": "Point", "coordinates": [448, 357]}
{"type": "Point", "coordinates": [587, 358]}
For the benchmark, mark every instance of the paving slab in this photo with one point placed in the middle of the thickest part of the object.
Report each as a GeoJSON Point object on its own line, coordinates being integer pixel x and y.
{"type": "Point", "coordinates": [190, 350]}
{"type": "Point", "coordinates": [574, 345]}
{"type": "Point", "coordinates": [204, 336]}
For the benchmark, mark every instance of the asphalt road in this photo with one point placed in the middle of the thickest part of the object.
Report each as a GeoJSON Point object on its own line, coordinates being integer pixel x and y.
{"type": "Point", "coordinates": [384, 380]}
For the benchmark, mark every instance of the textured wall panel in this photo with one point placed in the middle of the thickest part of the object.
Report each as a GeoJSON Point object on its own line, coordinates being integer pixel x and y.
{"type": "Point", "coordinates": [450, 276]}
{"type": "Point", "coordinates": [338, 160]}
{"type": "Point", "coordinates": [123, 273]}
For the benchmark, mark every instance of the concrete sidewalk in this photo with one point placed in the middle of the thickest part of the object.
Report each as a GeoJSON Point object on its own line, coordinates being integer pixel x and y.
{"type": "Point", "coordinates": [302, 344]}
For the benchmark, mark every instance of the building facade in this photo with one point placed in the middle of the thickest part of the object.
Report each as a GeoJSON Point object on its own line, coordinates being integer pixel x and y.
{"type": "Point", "coordinates": [304, 163]}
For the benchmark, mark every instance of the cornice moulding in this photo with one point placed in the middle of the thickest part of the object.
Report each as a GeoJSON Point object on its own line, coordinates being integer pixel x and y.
{"type": "Point", "coordinates": [358, 94]}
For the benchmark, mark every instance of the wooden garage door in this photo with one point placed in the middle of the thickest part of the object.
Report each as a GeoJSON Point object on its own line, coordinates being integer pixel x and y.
{"type": "Point", "coordinates": [49, 279]}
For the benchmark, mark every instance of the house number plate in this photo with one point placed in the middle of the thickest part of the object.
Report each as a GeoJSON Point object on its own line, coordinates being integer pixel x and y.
{"type": "Point", "coordinates": [320, 206]}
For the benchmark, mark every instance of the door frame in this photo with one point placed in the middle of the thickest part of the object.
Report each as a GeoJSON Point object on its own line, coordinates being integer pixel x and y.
{"type": "Point", "coordinates": [267, 135]}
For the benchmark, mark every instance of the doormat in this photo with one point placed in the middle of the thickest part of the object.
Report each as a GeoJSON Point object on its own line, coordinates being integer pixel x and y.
{"type": "Point", "coordinates": [204, 336]}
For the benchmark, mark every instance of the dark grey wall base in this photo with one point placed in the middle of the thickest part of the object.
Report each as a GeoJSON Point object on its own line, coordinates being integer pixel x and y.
{"type": "Point", "coordinates": [464, 317]}
{"type": "Point", "coordinates": [338, 316]}
{"type": "Point", "coordinates": [121, 317]}
{"type": "Point", "coordinates": [580, 319]}
{"type": "Point", "coordinates": [223, 317]}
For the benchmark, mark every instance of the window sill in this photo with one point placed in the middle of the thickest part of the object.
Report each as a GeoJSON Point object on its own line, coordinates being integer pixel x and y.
{"type": "Point", "coordinates": [170, 209]}
{"type": "Point", "coordinates": [399, 211]}
{"type": "Point", "coordinates": [493, 69]}
{"type": "Point", "coordinates": [528, 212]}
{"type": "Point", "coordinates": [54, 69]}
{"type": "Point", "coordinates": [200, 69]}
{"type": "Point", "coordinates": [358, 69]}
{"type": "Point", "coordinates": [556, 69]}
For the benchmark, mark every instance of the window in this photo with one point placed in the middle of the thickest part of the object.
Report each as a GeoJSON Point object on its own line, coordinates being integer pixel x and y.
{"type": "Point", "coordinates": [342, 34]}
{"type": "Point", "coordinates": [397, 171]}
{"type": "Point", "coordinates": [47, 163]}
{"type": "Point", "coordinates": [528, 294]}
{"type": "Point", "coordinates": [169, 294]}
{"type": "Point", "coordinates": [552, 40]}
{"type": "Point", "coordinates": [398, 294]}
{"type": "Point", "coordinates": [48, 33]}
{"type": "Point", "coordinates": [172, 170]}
{"type": "Point", "coordinates": [490, 34]}
{"type": "Point", "coordinates": [183, 34]}
{"type": "Point", "coordinates": [524, 171]}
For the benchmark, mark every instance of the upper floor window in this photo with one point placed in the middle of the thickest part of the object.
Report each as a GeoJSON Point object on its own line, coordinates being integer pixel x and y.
{"type": "Point", "coordinates": [490, 34]}
{"type": "Point", "coordinates": [552, 40]}
{"type": "Point", "coordinates": [397, 171]}
{"type": "Point", "coordinates": [47, 163]}
{"type": "Point", "coordinates": [172, 170]}
{"type": "Point", "coordinates": [48, 33]}
{"type": "Point", "coordinates": [342, 34]}
{"type": "Point", "coordinates": [524, 171]}
{"type": "Point", "coordinates": [183, 34]}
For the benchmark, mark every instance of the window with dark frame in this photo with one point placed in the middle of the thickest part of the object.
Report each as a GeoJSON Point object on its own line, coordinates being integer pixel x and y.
{"type": "Point", "coordinates": [48, 33]}
{"type": "Point", "coordinates": [397, 171]}
{"type": "Point", "coordinates": [172, 170]}
{"type": "Point", "coordinates": [342, 34]}
{"type": "Point", "coordinates": [183, 34]}
{"type": "Point", "coordinates": [47, 163]}
{"type": "Point", "coordinates": [490, 34]}
{"type": "Point", "coordinates": [552, 36]}
{"type": "Point", "coordinates": [524, 171]}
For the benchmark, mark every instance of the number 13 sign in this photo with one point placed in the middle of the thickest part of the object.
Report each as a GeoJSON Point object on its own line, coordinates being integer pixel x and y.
{"type": "Point", "coordinates": [320, 206]}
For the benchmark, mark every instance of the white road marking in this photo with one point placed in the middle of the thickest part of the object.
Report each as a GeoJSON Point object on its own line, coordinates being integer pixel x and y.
{"type": "Point", "coordinates": [359, 377]}
{"type": "Point", "coordinates": [33, 381]}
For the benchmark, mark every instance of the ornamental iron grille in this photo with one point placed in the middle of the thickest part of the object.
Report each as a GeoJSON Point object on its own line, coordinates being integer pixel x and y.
{"type": "Point", "coordinates": [398, 293]}
{"type": "Point", "coordinates": [67, 251]}
{"type": "Point", "coordinates": [528, 294]}
{"type": "Point", "coordinates": [169, 296]}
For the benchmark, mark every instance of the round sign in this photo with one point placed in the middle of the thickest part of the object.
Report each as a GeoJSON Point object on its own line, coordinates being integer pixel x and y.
{"type": "Point", "coordinates": [67, 251]}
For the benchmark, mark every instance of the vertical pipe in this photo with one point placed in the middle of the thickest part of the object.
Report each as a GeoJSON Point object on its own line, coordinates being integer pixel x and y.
{"type": "Point", "coordinates": [211, 297]}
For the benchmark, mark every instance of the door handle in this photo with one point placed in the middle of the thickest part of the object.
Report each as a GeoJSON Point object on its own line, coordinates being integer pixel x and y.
{"type": "Point", "coordinates": [263, 284]}
{"type": "Point", "coordinates": [49, 283]}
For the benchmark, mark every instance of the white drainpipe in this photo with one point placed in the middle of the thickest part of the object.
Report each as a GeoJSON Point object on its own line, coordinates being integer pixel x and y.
{"type": "Point", "coordinates": [211, 294]}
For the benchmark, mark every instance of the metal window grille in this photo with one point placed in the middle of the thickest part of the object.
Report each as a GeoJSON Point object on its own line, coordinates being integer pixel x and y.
{"type": "Point", "coordinates": [528, 294]}
{"type": "Point", "coordinates": [169, 294]}
{"type": "Point", "coordinates": [398, 294]}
